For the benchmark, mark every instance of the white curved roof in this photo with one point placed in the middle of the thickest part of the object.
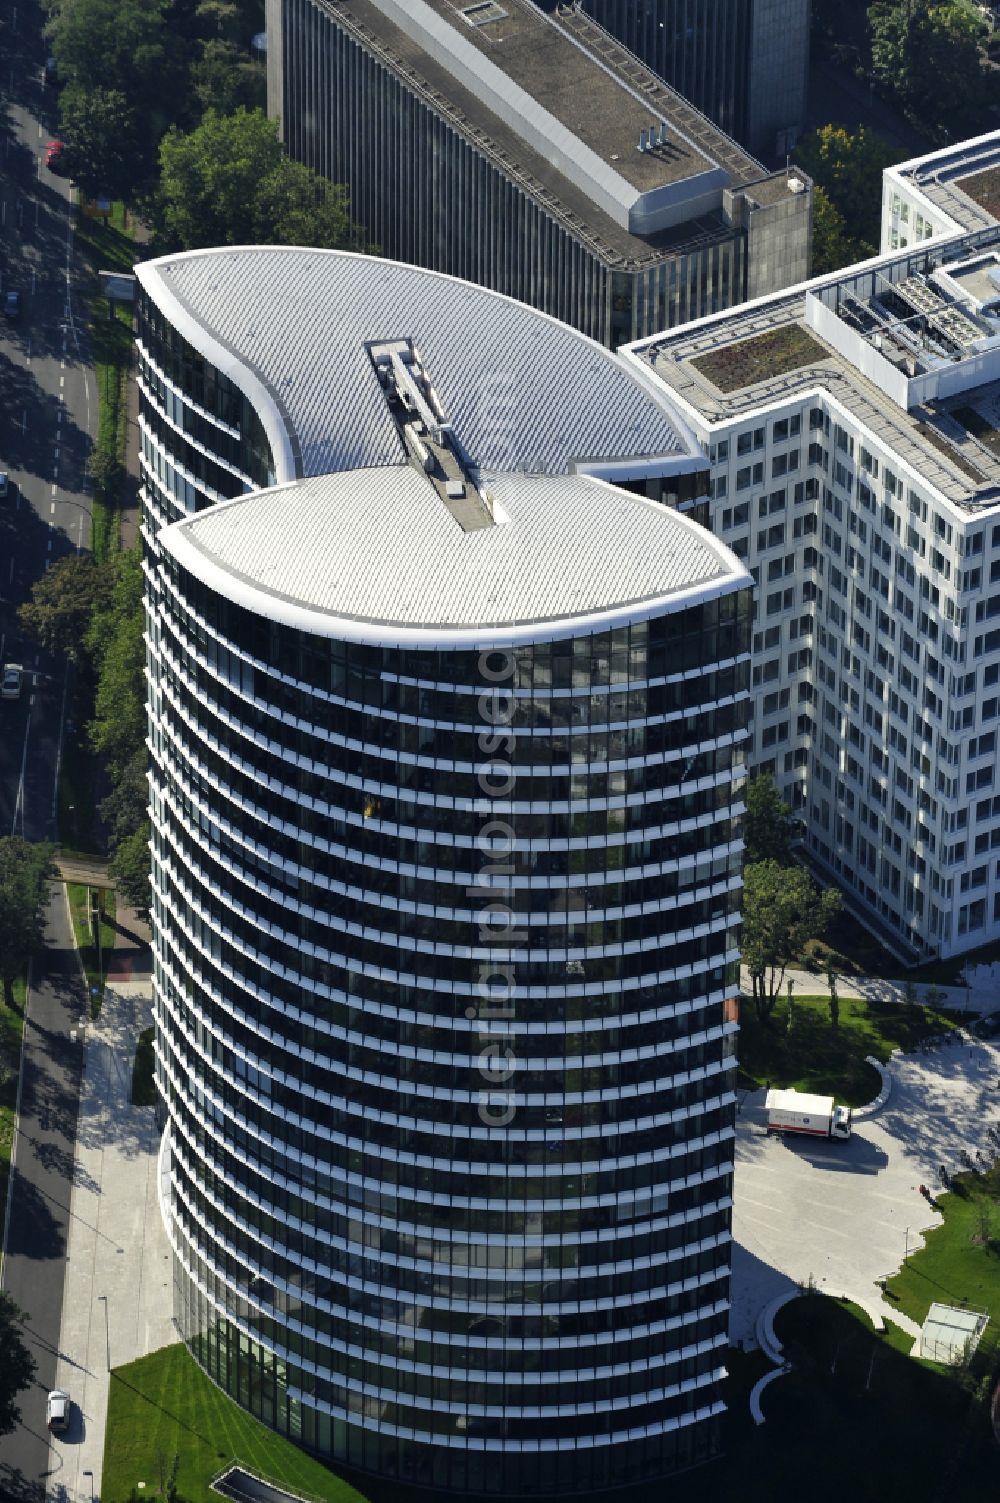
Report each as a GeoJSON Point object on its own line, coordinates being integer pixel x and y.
{"type": "Point", "coordinates": [375, 556]}
{"type": "Point", "coordinates": [523, 391]}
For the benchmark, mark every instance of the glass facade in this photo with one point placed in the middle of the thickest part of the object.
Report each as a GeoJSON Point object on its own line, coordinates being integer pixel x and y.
{"type": "Point", "coordinates": [445, 980]}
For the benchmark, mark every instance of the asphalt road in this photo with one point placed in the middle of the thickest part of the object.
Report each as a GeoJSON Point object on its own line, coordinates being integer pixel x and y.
{"type": "Point", "coordinates": [48, 409]}
{"type": "Point", "coordinates": [34, 1266]}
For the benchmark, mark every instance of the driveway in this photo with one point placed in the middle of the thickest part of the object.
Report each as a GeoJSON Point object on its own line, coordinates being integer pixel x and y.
{"type": "Point", "coordinates": [846, 1214]}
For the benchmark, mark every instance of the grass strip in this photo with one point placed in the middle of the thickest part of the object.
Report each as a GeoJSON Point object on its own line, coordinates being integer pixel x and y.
{"type": "Point", "coordinates": [11, 1035]}
{"type": "Point", "coordinates": [164, 1406]}
{"type": "Point", "coordinates": [95, 961]}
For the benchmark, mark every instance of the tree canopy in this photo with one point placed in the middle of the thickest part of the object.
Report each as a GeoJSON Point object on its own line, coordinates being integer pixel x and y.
{"type": "Point", "coordinates": [769, 826]}
{"type": "Point", "coordinates": [115, 641]}
{"type": "Point", "coordinates": [229, 182]}
{"type": "Point", "coordinates": [782, 911]}
{"type": "Point", "coordinates": [17, 1365]}
{"type": "Point", "coordinates": [847, 168]}
{"type": "Point", "coordinates": [103, 147]}
{"type": "Point", "coordinates": [25, 872]}
{"type": "Point", "coordinates": [129, 866]}
{"type": "Point", "coordinates": [927, 55]}
{"type": "Point", "coordinates": [831, 244]}
{"type": "Point", "coordinates": [122, 62]}
{"type": "Point", "coordinates": [62, 603]}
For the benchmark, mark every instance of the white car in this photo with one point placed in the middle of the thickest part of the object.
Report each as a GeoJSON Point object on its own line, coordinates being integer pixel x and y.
{"type": "Point", "coordinates": [10, 684]}
{"type": "Point", "coordinates": [4, 485]}
{"type": "Point", "coordinates": [57, 1409]}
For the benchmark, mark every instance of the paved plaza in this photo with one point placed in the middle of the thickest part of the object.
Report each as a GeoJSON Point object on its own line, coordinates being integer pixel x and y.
{"type": "Point", "coordinates": [117, 1302]}
{"type": "Point", "coordinates": [845, 1214]}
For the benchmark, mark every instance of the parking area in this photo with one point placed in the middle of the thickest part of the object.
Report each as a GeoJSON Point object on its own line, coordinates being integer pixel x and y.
{"type": "Point", "coordinates": [845, 1214]}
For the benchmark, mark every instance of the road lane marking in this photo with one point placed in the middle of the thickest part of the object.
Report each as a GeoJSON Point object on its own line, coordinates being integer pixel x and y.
{"type": "Point", "coordinates": [19, 802]}
{"type": "Point", "coordinates": [53, 489]}
{"type": "Point", "coordinates": [62, 379]}
{"type": "Point", "coordinates": [52, 507]}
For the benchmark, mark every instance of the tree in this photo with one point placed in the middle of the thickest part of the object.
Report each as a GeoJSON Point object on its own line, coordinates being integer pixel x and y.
{"type": "Point", "coordinates": [124, 809]}
{"type": "Point", "coordinates": [226, 80]}
{"type": "Point", "coordinates": [25, 873]}
{"type": "Point", "coordinates": [848, 168]}
{"type": "Point", "coordinates": [926, 55]}
{"type": "Point", "coordinates": [115, 640]}
{"type": "Point", "coordinates": [102, 152]}
{"type": "Point", "coordinates": [782, 911]}
{"type": "Point", "coordinates": [129, 866]}
{"type": "Point", "coordinates": [128, 55]}
{"type": "Point", "coordinates": [17, 1365]}
{"type": "Point", "coordinates": [62, 603]}
{"type": "Point", "coordinates": [769, 825]}
{"type": "Point", "coordinates": [831, 981]}
{"type": "Point", "coordinates": [229, 183]}
{"type": "Point", "coordinates": [831, 244]}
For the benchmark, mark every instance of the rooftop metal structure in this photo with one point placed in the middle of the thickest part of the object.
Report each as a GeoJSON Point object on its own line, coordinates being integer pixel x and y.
{"type": "Point", "coordinates": [374, 555]}
{"type": "Point", "coordinates": [294, 329]}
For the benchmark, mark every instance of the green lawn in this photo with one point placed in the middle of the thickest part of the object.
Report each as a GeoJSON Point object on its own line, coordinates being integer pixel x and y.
{"type": "Point", "coordinates": [864, 1420]}
{"type": "Point", "coordinates": [960, 1262]}
{"type": "Point", "coordinates": [879, 1428]}
{"type": "Point", "coordinates": [164, 1406]}
{"type": "Point", "coordinates": [95, 965]}
{"type": "Point", "coordinates": [814, 1056]}
{"type": "Point", "coordinates": [144, 1092]}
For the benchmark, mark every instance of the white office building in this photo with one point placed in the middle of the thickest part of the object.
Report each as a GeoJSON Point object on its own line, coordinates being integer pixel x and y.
{"type": "Point", "coordinates": [853, 428]}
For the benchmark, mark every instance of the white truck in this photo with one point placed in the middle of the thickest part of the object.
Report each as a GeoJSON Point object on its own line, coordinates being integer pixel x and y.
{"type": "Point", "coordinates": [815, 1116]}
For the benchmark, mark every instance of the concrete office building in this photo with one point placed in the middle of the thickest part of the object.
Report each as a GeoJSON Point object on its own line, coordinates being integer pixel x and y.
{"type": "Point", "coordinates": [853, 428]}
{"type": "Point", "coordinates": [744, 62]}
{"type": "Point", "coordinates": [447, 717]}
{"type": "Point", "coordinates": [530, 152]}
{"type": "Point", "coordinates": [942, 194]}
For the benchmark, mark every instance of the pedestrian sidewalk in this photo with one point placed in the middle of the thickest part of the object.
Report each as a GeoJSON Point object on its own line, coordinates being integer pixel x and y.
{"type": "Point", "coordinates": [981, 995]}
{"type": "Point", "coordinates": [117, 1303]}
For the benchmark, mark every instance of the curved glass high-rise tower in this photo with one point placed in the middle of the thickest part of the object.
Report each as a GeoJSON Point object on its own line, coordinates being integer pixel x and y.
{"type": "Point", "coordinates": [447, 756]}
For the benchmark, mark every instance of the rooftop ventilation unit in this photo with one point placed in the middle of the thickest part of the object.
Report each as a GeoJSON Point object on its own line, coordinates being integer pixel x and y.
{"type": "Point", "coordinates": [482, 13]}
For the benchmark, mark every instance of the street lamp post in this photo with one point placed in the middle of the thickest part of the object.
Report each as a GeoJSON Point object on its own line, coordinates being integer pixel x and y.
{"type": "Point", "coordinates": [107, 1328]}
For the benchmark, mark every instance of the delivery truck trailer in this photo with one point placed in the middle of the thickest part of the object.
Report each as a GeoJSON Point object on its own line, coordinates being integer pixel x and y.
{"type": "Point", "coordinates": [815, 1116]}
